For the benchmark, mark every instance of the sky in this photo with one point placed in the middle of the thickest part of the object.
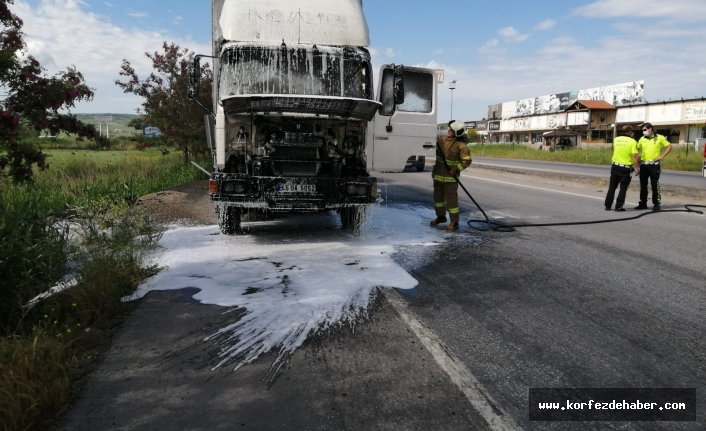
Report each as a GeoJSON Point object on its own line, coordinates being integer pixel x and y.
{"type": "Point", "coordinates": [497, 52]}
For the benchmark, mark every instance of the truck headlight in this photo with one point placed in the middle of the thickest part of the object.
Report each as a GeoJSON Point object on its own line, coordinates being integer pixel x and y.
{"type": "Point", "coordinates": [374, 190]}
{"type": "Point", "coordinates": [362, 190]}
{"type": "Point", "coordinates": [352, 189]}
{"type": "Point", "coordinates": [235, 187]}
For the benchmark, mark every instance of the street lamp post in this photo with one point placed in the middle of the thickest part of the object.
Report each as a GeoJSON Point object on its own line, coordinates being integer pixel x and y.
{"type": "Point", "coordinates": [452, 87]}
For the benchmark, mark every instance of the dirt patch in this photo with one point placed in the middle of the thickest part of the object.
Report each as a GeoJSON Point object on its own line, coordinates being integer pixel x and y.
{"type": "Point", "coordinates": [188, 203]}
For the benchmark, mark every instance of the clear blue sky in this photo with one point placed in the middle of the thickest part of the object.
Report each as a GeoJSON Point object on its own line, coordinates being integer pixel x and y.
{"type": "Point", "coordinates": [498, 51]}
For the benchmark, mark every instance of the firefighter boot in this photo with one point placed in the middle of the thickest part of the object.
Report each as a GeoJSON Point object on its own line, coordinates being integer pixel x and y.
{"type": "Point", "coordinates": [452, 226]}
{"type": "Point", "coordinates": [439, 220]}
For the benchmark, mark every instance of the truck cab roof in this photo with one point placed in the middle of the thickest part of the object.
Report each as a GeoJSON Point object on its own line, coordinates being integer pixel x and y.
{"type": "Point", "coordinates": [325, 22]}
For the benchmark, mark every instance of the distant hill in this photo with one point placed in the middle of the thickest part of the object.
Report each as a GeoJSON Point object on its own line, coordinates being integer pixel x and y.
{"type": "Point", "coordinates": [118, 127]}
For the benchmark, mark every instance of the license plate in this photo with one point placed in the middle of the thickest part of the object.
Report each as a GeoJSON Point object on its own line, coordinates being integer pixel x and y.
{"type": "Point", "coordinates": [296, 188]}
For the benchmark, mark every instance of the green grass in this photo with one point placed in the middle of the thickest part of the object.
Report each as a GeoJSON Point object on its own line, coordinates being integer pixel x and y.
{"type": "Point", "coordinates": [62, 158]}
{"type": "Point", "coordinates": [69, 142]}
{"type": "Point", "coordinates": [677, 160]}
{"type": "Point", "coordinates": [46, 347]}
{"type": "Point", "coordinates": [34, 250]}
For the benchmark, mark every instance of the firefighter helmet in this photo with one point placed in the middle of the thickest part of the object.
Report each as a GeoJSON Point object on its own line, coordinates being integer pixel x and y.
{"type": "Point", "coordinates": [459, 127]}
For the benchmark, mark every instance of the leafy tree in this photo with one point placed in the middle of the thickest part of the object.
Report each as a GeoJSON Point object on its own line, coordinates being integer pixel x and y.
{"type": "Point", "coordinates": [34, 100]}
{"type": "Point", "coordinates": [166, 104]}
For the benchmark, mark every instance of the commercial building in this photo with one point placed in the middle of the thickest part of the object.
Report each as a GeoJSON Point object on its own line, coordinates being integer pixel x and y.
{"type": "Point", "coordinates": [592, 116]}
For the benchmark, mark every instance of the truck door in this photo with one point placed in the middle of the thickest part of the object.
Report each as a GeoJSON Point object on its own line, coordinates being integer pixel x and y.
{"type": "Point", "coordinates": [410, 128]}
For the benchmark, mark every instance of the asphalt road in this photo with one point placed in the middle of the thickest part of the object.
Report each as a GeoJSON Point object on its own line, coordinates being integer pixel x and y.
{"type": "Point", "coordinates": [672, 178]}
{"type": "Point", "coordinates": [614, 305]}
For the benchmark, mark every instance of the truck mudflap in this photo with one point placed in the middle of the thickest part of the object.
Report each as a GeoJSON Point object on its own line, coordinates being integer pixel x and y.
{"type": "Point", "coordinates": [291, 194]}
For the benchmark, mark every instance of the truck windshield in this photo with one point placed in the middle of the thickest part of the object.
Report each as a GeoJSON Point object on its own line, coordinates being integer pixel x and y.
{"type": "Point", "coordinates": [329, 71]}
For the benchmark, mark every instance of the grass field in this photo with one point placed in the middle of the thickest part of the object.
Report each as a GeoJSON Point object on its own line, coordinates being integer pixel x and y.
{"type": "Point", "coordinates": [77, 220]}
{"type": "Point", "coordinates": [62, 158]}
{"type": "Point", "coordinates": [677, 160]}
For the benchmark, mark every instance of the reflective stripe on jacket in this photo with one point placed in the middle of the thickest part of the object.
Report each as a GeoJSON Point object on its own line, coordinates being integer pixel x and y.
{"type": "Point", "coordinates": [457, 156]}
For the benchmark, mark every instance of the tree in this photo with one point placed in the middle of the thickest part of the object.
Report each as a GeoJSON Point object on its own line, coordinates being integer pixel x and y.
{"type": "Point", "coordinates": [166, 104]}
{"type": "Point", "coordinates": [34, 100]}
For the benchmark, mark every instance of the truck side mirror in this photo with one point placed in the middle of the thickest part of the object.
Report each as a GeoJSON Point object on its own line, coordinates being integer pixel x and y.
{"type": "Point", "coordinates": [398, 84]}
{"type": "Point", "coordinates": [194, 78]}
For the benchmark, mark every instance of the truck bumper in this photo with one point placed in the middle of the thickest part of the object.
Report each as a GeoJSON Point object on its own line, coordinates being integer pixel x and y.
{"type": "Point", "coordinates": [290, 194]}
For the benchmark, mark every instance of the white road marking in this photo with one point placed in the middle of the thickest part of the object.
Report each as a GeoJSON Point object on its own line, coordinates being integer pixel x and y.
{"type": "Point", "coordinates": [480, 399]}
{"type": "Point", "coordinates": [562, 192]}
{"type": "Point", "coordinates": [502, 214]}
{"type": "Point", "coordinates": [540, 188]}
{"type": "Point", "coordinates": [554, 171]}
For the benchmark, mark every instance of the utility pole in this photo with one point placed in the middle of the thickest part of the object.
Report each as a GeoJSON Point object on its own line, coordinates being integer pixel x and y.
{"type": "Point", "coordinates": [452, 87]}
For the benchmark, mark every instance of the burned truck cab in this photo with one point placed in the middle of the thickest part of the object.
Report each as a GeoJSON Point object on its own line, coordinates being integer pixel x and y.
{"type": "Point", "coordinates": [293, 96]}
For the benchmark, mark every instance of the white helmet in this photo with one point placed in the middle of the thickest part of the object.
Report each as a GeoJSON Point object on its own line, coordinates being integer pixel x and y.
{"type": "Point", "coordinates": [459, 127]}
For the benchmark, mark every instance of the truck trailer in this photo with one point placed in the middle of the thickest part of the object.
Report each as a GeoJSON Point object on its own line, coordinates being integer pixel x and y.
{"type": "Point", "coordinates": [297, 125]}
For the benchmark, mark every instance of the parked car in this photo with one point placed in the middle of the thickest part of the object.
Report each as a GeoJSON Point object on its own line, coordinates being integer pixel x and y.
{"type": "Point", "coordinates": [416, 162]}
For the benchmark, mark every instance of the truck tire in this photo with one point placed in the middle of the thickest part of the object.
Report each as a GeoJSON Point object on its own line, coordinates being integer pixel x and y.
{"type": "Point", "coordinates": [350, 217]}
{"type": "Point", "coordinates": [422, 163]}
{"type": "Point", "coordinates": [229, 221]}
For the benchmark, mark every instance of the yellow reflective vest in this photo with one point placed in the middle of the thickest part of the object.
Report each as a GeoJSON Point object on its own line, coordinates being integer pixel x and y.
{"type": "Point", "coordinates": [457, 156]}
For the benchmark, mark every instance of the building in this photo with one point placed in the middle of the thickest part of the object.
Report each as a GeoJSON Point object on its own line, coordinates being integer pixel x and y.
{"type": "Point", "coordinates": [595, 115]}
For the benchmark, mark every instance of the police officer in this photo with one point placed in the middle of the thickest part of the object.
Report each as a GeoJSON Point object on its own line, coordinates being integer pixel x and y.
{"type": "Point", "coordinates": [452, 156]}
{"type": "Point", "coordinates": [650, 146]}
{"type": "Point", "coordinates": [625, 159]}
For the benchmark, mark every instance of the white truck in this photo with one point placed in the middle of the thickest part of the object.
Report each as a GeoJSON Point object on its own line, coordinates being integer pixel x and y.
{"type": "Point", "coordinates": [296, 124]}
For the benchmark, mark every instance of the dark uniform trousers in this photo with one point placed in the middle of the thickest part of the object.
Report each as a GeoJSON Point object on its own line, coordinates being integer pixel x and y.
{"type": "Point", "coordinates": [650, 173]}
{"type": "Point", "coordinates": [446, 198]}
{"type": "Point", "coordinates": [618, 176]}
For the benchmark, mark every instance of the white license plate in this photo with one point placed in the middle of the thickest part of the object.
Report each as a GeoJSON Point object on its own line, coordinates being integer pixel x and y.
{"type": "Point", "coordinates": [296, 188]}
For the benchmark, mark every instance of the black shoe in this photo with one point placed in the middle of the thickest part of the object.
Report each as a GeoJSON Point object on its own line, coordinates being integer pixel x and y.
{"type": "Point", "coordinates": [656, 208]}
{"type": "Point", "coordinates": [607, 208]}
{"type": "Point", "coordinates": [620, 209]}
{"type": "Point", "coordinates": [640, 207]}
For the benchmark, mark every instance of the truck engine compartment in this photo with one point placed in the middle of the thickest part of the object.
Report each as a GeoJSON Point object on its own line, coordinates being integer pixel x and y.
{"type": "Point", "coordinates": [291, 147]}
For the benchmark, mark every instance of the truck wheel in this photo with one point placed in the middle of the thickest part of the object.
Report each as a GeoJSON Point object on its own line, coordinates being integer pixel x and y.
{"type": "Point", "coordinates": [349, 217]}
{"type": "Point", "coordinates": [352, 218]}
{"type": "Point", "coordinates": [229, 221]}
{"type": "Point", "coordinates": [420, 168]}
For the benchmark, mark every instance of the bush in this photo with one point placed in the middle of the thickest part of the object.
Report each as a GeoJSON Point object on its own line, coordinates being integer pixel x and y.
{"type": "Point", "coordinates": [107, 255]}
{"type": "Point", "coordinates": [34, 251]}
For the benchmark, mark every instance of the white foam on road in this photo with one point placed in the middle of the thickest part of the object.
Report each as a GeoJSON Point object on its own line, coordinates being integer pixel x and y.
{"type": "Point", "coordinates": [294, 277]}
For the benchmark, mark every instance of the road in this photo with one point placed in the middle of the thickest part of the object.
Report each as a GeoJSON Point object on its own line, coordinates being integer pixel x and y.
{"type": "Point", "coordinates": [668, 177]}
{"type": "Point", "coordinates": [494, 314]}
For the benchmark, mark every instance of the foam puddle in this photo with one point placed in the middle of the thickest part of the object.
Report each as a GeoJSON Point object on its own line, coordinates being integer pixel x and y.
{"type": "Point", "coordinates": [295, 277]}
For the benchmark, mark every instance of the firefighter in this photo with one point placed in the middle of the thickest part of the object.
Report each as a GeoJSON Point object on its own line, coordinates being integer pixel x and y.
{"type": "Point", "coordinates": [650, 146]}
{"type": "Point", "coordinates": [452, 156]}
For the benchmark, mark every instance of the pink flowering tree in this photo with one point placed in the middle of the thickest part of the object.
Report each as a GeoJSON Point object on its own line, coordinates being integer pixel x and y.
{"type": "Point", "coordinates": [35, 100]}
{"type": "Point", "coordinates": [166, 104]}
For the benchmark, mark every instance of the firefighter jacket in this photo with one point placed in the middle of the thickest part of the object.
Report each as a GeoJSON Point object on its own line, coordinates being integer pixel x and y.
{"type": "Point", "coordinates": [456, 154]}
